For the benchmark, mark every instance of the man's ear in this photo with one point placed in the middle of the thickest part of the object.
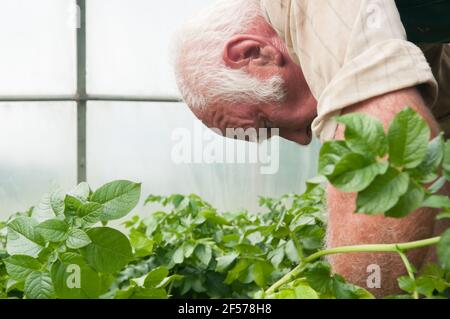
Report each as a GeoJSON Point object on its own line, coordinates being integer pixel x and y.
{"type": "Point", "coordinates": [243, 50]}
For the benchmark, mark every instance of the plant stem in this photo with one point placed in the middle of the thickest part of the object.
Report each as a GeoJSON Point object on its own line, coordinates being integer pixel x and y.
{"type": "Point", "coordinates": [409, 269]}
{"type": "Point", "coordinates": [390, 248]}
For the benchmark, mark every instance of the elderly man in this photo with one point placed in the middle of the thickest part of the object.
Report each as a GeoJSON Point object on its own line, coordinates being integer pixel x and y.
{"type": "Point", "coordinates": [295, 65]}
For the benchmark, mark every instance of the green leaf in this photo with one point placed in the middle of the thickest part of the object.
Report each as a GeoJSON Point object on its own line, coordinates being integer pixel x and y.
{"type": "Point", "coordinates": [74, 279]}
{"type": "Point", "coordinates": [175, 199]}
{"type": "Point", "coordinates": [292, 252]}
{"type": "Point", "coordinates": [426, 285]}
{"type": "Point", "coordinates": [142, 245]}
{"type": "Point", "coordinates": [39, 285]}
{"type": "Point", "coordinates": [20, 266]}
{"type": "Point", "coordinates": [259, 275]}
{"type": "Point", "coordinates": [133, 221]}
{"type": "Point", "coordinates": [50, 254]}
{"type": "Point", "coordinates": [409, 202]}
{"type": "Point", "coordinates": [427, 171]}
{"type": "Point", "coordinates": [118, 198]}
{"type": "Point", "coordinates": [446, 163]}
{"type": "Point", "coordinates": [213, 217]}
{"type": "Point", "coordinates": [90, 213]}
{"type": "Point", "coordinates": [53, 230]}
{"type": "Point", "coordinates": [153, 199]}
{"type": "Point", "coordinates": [166, 281]}
{"type": "Point", "coordinates": [71, 205]}
{"type": "Point", "coordinates": [12, 285]}
{"type": "Point", "coordinates": [126, 293]}
{"type": "Point", "coordinates": [354, 172]}
{"type": "Point", "coordinates": [261, 272]}
{"type": "Point", "coordinates": [433, 270]}
{"type": "Point", "coordinates": [23, 239]}
{"type": "Point", "coordinates": [178, 256]}
{"type": "Point", "coordinates": [50, 206]}
{"type": "Point", "coordinates": [109, 250]}
{"type": "Point", "coordinates": [407, 284]}
{"type": "Point", "coordinates": [155, 277]}
{"type": "Point", "coordinates": [319, 277]}
{"type": "Point", "coordinates": [437, 185]}
{"type": "Point", "coordinates": [443, 250]}
{"type": "Point", "coordinates": [437, 201]}
{"type": "Point", "coordinates": [443, 215]}
{"type": "Point", "coordinates": [343, 290]}
{"type": "Point", "coordinates": [304, 291]}
{"type": "Point", "coordinates": [276, 256]}
{"type": "Point", "coordinates": [225, 261]}
{"type": "Point", "coordinates": [364, 134]}
{"type": "Point", "coordinates": [204, 254]}
{"type": "Point", "coordinates": [284, 294]}
{"type": "Point", "coordinates": [77, 239]}
{"type": "Point", "coordinates": [384, 193]}
{"type": "Point", "coordinates": [408, 139]}
{"type": "Point", "coordinates": [188, 249]}
{"type": "Point", "coordinates": [236, 271]}
{"type": "Point", "coordinates": [330, 154]}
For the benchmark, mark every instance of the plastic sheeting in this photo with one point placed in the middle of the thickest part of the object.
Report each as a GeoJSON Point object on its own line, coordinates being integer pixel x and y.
{"type": "Point", "coordinates": [37, 152]}
{"type": "Point", "coordinates": [129, 45]}
{"type": "Point", "coordinates": [128, 55]}
{"type": "Point", "coordinates": [137, 141]}
{"type": "Point", "coordinates": [38, 48]}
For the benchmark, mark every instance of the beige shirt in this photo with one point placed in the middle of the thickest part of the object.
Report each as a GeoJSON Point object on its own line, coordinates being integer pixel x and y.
{"type": "Point", "coordinates": [349, 51]}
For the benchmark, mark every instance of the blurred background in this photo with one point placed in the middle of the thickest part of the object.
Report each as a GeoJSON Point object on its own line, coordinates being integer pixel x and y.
{"type": "Point", "coordinates": [87, 93]}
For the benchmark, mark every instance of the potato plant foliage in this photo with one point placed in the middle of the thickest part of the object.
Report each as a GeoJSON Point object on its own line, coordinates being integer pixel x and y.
{"type": "Point", "coordinates": [63, 248]}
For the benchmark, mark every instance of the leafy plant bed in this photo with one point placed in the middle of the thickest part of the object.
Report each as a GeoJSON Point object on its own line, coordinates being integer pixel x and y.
{"type": "Point", "coordinates": [63, 248]}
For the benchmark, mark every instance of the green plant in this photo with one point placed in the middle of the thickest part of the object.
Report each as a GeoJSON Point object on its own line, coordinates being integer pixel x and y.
{"type": "Point", "coordinates": [229, 255]}
{"type": "Point", "coordinates": [390, 173]}
{"type": "Point", "coordinates": [54, 250]}
{"type": "Point", "coordinates": [187, 249]}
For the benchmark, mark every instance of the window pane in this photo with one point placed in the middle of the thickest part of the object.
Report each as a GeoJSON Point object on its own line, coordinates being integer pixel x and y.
{"type": "Point", "coordinates": [135, 141]}
{"type": "Point", "coordinates": [38, 53]}
{"type": "Point", "coordinates": [128, 45]}
{"type": "Point", "coordinates": [37, 150]}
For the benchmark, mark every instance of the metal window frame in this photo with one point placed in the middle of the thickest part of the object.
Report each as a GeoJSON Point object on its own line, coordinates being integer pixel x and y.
{"type": "Point", "coordinates": [81, 97]}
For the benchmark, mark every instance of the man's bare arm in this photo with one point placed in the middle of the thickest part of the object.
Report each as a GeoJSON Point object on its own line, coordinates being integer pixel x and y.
{"type": "Point", "coordinates": [346, 228]}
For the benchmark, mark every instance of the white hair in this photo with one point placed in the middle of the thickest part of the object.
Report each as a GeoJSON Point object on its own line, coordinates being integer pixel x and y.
{"type": "Point", "coordinates": [201, 73]}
